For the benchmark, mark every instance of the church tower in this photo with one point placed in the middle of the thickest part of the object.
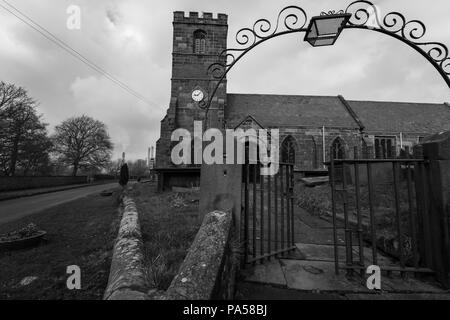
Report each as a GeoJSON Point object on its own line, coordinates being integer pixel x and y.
{"type": "Point", "coordinates": [197, 40]}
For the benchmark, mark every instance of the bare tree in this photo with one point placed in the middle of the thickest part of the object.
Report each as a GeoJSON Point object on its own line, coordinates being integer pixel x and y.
{"type": "Point", "coordinates": [113, 167]}
{"type": "Point", "coordinates": [20, 128]}
{"type": "Point", "coordinates": [83, 142]}
{"type": "Point", "coordinates": [12, 95]}
{"type": "Point", "coordinates": [34, 155]}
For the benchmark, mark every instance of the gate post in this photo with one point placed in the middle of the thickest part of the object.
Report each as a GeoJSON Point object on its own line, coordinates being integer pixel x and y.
{"type": "Point", "coordinates": [436, 149]}
{"type": "Point", "coordinates": [220, 189]}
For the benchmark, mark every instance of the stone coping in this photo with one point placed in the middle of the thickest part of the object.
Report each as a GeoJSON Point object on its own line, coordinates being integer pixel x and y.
{"type": "Point", "coordinates": [201, 274]}
{"type": "Point", "coordinates": [127, 275]}
{"type": "Point", "coordinates": [208, 271]}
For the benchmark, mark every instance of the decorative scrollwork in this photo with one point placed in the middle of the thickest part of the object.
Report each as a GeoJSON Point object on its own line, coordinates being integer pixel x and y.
{"type": "Point", "coordinates": [290, 19]}
{"type": "Point", "coordinates": [331, 12]}
{"type": "Point", "coordinates": [366, 14]}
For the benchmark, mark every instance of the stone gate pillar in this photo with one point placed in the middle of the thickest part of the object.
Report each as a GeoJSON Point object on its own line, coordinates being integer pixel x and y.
{"type": "Point", "coordinates": [436, 149]}
{"type": "Point", "coordinates": [220, 189]}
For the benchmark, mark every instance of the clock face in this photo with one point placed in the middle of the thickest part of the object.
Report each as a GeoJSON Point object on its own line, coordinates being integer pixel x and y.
{"type": "Point", "coordinates": [197, 95]}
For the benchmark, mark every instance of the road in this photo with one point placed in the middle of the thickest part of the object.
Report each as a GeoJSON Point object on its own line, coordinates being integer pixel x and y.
{"type": "Point", "coordinates": [17, 208]}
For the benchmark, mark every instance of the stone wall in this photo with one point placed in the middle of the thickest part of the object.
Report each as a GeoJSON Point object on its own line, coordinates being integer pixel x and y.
{"type": "Point", "coordinates": [208, 271]}
{"type": "Point", "coordinates": [127, 275]}
{"type": "Point", "coordinates": [187, 178]}
{"type": "Point", "coordinates": [309, 144]}
{"type": "Point", "coordinates": [21, 183]}
{"type": "Point", "coordinates": [403, 140]}
{"type": "Point", "coordinates": [189, 72]}
{"type": "Point", "coordinates": [210, 267]}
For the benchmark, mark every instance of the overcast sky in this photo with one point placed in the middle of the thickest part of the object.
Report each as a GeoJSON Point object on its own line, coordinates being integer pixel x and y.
{"type": "Point", "coordinates": [132, 40]}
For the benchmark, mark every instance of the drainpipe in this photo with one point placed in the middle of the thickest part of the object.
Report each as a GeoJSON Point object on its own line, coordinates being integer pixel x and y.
{"type": "Point", "coordinates": [401, 140]}
{"type": "Point", "coordinates": [323, 147]}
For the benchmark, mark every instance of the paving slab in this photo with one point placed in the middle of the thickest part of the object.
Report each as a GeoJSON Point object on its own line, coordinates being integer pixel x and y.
{"type": "Point", "coordinates": [319, 252]}
{"type": "Point", "coordinates": [397, 284]}
{"type": "Point", "coordinates": [270, 273]}
{"type": "Point", "coordinates": [318, 276]}
{"type": "Point", "coordinates": [315, 181]}
{"type": "Point", "coordinates": [311, 270]}
{"type": "Point", "coordinates": [306, 234]}
{"type": "Point", "coordinates": [313, 221]}
{"type": "Point", "coordinates": [257, 291]}
{"type": "Point", "coordinates": [325, 252]}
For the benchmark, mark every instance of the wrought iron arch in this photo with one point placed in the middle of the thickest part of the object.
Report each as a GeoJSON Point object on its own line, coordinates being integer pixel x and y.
{"type": "Point", "coordinates": [293, 19]}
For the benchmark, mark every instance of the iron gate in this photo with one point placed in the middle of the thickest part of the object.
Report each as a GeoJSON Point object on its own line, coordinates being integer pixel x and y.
{"type": "Point", "coordinates": [268, 206]}
{"type": "Point", "coordinates": [381, 205]}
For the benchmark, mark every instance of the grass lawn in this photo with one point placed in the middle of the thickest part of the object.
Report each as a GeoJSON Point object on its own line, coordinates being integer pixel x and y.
{"type": "Point", "coordinates": [81, 232]}
{"type": "Point", "coordinates": [169, 225]}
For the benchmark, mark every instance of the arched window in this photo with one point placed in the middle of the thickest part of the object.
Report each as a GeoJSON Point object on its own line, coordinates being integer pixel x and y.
{"type": "Point", "coordinates": [200, 42]}
{"type": "Point", "coordinates": [338, 148]}
{"type": "Point", "coordinates": [288, 150]}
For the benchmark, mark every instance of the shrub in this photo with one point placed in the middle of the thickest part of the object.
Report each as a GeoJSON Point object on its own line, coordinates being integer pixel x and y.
{"type": "Point", "coordinates": [316, 201]}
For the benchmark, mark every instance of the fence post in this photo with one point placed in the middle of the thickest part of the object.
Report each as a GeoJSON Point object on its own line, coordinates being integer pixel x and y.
{"type": "Point", "coordinates": [436, 150]}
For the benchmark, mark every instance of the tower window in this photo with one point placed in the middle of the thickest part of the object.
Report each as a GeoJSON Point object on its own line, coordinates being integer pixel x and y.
{"type": "Point", "coordinates": [199, 42]}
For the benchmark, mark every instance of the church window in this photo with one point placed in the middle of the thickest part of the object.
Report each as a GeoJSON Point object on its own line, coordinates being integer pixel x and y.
{"type": "Point", "coordinates": [199, 42]}
{"type": "Point", "coordinates": [288, 150]}
{"type": "Point", "coordinates": [385, 147]}
{"type": "Point", "coordinates": [338, 148]}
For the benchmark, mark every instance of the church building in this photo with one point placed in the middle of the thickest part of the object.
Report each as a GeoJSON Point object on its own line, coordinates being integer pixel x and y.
{"type": "Point", "coordinates": [310, 126]}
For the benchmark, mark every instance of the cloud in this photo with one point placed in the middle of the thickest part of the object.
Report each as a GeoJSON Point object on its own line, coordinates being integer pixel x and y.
{"type": "Point", "coordinates": [129, 123]}
{"type": "Point", "coordinates": [113, 15]}
{"type": "Point", "coordinates": [132, 40]}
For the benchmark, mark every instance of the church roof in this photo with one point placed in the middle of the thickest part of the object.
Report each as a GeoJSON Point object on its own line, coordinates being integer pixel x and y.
{"type": "Point", "coordinates": [402, 116]}
{"type": "Point", "coordinates": [333, 111]}
{"type": "Point", "coordinates": [288, 110]}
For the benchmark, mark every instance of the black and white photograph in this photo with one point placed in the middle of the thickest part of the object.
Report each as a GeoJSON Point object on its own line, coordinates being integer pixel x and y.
{"type": "Point", "coordinates": [219, 157]}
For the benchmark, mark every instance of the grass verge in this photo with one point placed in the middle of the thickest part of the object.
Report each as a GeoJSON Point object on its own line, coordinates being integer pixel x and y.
{"type": "Point", "coordinates": [80, 232]}
{"type": "Point", "coordinates": [169, 225]}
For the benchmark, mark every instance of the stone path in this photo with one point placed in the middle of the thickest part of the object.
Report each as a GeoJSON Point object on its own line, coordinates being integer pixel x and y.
{"type": "Point", "coordinates": [309, 272]}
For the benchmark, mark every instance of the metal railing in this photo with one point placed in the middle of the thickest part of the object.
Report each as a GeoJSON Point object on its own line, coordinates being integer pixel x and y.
{"type": "Point", "coordinates": [405, 191]}
{"type": "Point", "coordinates": [268, 206]}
